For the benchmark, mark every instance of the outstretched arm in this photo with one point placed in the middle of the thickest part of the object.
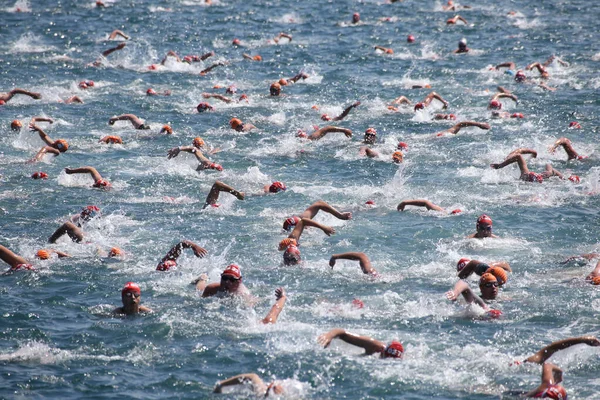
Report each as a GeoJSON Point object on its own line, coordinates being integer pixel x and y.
{"type": "Point", "coordinates": [504, 95]}
{"type": "Point", "coordinates": [370, 345]}
{"type": "Point", "coordinates": [509, 65]}
{"type": "Point", "coordinates": [135, 121]}
{"type": "Point", "coordinates": [176, 250]}
{"type": "Point", "coordinates": [304, 222]}
{"type": "Point", "coordinates": [118, 47]}
{"type": "Point", "coordinates": [419, 203]}
{"type": "Point", "coordinates": [7, 96]}
{"type": "Point", "coordinates": [116, 33]}
{"type": "Point", "coordinates": [74, 232]}
{"type": "Point", "coordinates": [321, 205]}
{"type": "Point", "coordinates": [273, 314]}
{"type": "Point", "coordinates": [344, 114]}
{"type": "Point", "coordinates": [540, 69]}
{"type": "Point", "coordinates": [207, 70]}
{"type": "Point", "coordinates": [546, 352]}
{"type": "Point", "coordinates": [434, 95]}
{"type": "Point", "coordinates": [518, 158]}
{"type": "Point", "coordinates": [257, 383]}
{"type": "Point", "coordinates": [11, 258]}
{"type": "Point", "coordinates": [328, 129]}
{"type": "Point", "coordinates": [365, 263]}
{"type": "Point", "coordinates": [218, 187]}
{"type": "Point", "coordinates": [217, 96]}
{"type": "Point", "coordinates": [567, 145]}
{"type": "Point", "coordinates": [85, 170]}
{"type": "Point", "coordinates": [465, 124]}
{"type": "Point", "coordinates": [45, 150]}
{"type": "Point", "coordinates": [43, 135]}
{"type": "Point", "coordinates": [41, 119]}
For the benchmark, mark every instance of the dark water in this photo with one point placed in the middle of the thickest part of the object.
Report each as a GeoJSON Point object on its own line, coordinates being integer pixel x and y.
{"type": "Point", "coordinates": [57, 337]}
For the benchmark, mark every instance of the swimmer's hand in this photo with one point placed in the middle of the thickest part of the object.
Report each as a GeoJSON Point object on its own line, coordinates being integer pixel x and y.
{"type": "Point", "coordinates": [401, 206]}
{"type": "Point", "coordinates": [495, 166]}
{"type": "Point", "coordinates": [174, 152]}
{"type": "Point", "coordinates": [68, 170]}
{"type": "Point", "coordinates": [198, 251]}
{"type": "Point", "coordinates": [346, 216]}
{"type": "Point", "coordinates": [356, 104]}
{"type": "Point", "coordinates": [348, 133]}
{"type": "Point", "coordinates": [33, 127]}
{"type": "Point", "coordinates": [325, 339]}
{"type": "Point", "coordinates": [332, 262]}
{"type": "Point", "coordinates": [112, 121]}
{"type": "Point", "coordinates": [328, 230]}
{"type": "Point", "coordinates": [592, 341]}
{"type": "Point", "coordinates": [279, 293]}
{"type": "Point", "coordinates": [36, 96]}
{"type": "Point", "coordinates": [451, 295]}
{"type": "Point", "coordinates": [203, 277]}
{"type": "Point", "coordinates": [120, 46]}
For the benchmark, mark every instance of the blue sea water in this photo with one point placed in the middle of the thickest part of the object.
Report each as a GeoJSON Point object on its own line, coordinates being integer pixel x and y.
{"type": "Point", "coordinates": [57, 336]}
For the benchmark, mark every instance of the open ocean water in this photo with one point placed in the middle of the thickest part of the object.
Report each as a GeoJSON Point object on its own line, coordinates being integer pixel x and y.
{"type": "Point", "coordinates": [58, 339]}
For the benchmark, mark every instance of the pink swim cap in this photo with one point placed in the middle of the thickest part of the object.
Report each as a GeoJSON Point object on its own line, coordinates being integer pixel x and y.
{"type": "Point", "coordinates": [410, 39]}
{"type": "Point", "coordinates": [495, 105]}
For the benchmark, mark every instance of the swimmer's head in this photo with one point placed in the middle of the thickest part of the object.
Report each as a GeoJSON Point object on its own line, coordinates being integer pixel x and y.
{"type": "Point", "coordinates": [39, 175]}
{"type": "Point", "coordinates": [131, 287]}
{"type": "Point", "coordinates": [275, 89]}
{"type": "Point", "coordinates": [16, 125]}
{"type": "Point", "coordinates": [244, 96]}
{"type": "Point", "coordinates": [402, 146]}
{"type": "Point", "coordinates": [257, 58]}
{"type": "Point", "coordinates": [236, 42]}
{"type": "Point", "coordinates": [151, 92]}
{"type": "Point", "coordinates": [462, 44]}
{"type": "Point", "coordinates": [419, 106]}
{"type": "Point", "coordinates": [166, 265]}
{"type": "Point", "coordinates": [520, 76]}
{"type": "Point", "coordinates": [287, 242]}
{"type": "Point", "coordinates": [488, 284]}
{"type": "Point", "coordinates": [398, 157]}
{"type": "Point", "coordinates": [462, 263]}
{"type": "Point", "coordinates": [83, 85]}
{"type": "Point", "coordinates": [596, 280]}
{"type": "Point", "coordinates": [556, 392]}
{"type": "Point", "coordinates": [393, 350]}
{"type": "Point", "coordinates": [572, 124]}
{"type": "Point", "coordinates": [290, 223]}
{"type": "Point", "coordinates": [325, 117]}
{"type": "Point", "coordinates": [495, 105]}
{"type": "Point", "coordinates": [355, 18]}
{"type": "Point", "coordinates": [499, 273]}
{"type": "Point", "coordinates": [277, 187]}
{"type": "Point", "coordinates": [231, 89]}
{"type": "Point", "coordinates": [291, 256]}
{"type": "Point", "coordinates": [203, 106]}
{"type": "Point", "coordinates": [410, 39]}
{"type": "Point", "coordinates": [2, 102]}
{"type": "Point", "coordinates": [43, 254]}
{"type": "Point", "coordinates": [167, 129]}
{"type": "Point", "coordinates": [484, 226]}
{"type": "Point", "coordinates": [370, 136]}
{"type": "Point", "coordinates": [188, 59]}
{"type": "Point", "coordinates": [575, 179]}
{"type": "Point", "coordinates": [198, 143]}
{"type": "Point", "coordinates": [236, 123]}
{"type": "Point", "coordinates": [61, 145]}
{"type": "Point", "coordinates": [89, 212]}
{"type": "Point", "coordinates": [115, 252]}
{"type": "Point", "coordinates": [283, 82]}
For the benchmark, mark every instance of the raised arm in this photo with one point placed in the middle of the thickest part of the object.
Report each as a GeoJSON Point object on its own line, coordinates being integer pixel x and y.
{"type": "Point", "coordinates": [11, 258]}
{"type": "Point", "coordinates": [365, 263]}
{"type": "Point", "coordinates": [43, 135]}
{"type": "Point", "coordinates": [176, 250]}
{"type": "Point", "coordinates": [45, 150]}
{"type": "Point", "coordinates": [85, 170]}
{"type": "Point", "coordinates": [74, 232]}
{"type": "Point", "coordinates": [328, 129]}
{"type": "Point", "coordinates": [7, 96]}
{"type": "Point", "coordinates": [280, 298]}
{"type": "Point", "coordinates": [321, 205]}
{"type": "Point", "coordinates": [116, 33]}
{"type": "Point", "coordinates": [546, 352]}
{"type": "Point", "coordinates": [567, 145]}
{"type": "Point", "coordinates": [462, 287]}
{"type": "Point", "coordinates": [257, 384]}
{"type": "Point", "coordinates": [217, 96]}
{"type": "Point", "coordinates": [126, 117]}
{"type": "Point", "coordinates": [540, 69]}
{"type": "Point", "coordinates": [434, 95]}
{"type": "Point", "coordinates": [503, 95]}
{"type": "Point", "coordinates": [465, 124]}
{"type": "Point", "coordinates": [219, 187]}
{"type": "Point", "coordinates": [207, 70]}
{"type": "Point", "coordinates": [370, 345]}
{"type": "Point", "coordinates": [419, 203]}
{"type": "Point", "coordinates": [282, 35]}
{"type": "Point", "coordinates": [344, 114]}
{"type": "Point", "coordinates": [304, 222]}
{"type": "Point", "coordinates": [518, 158]}
{"type": "Point", "coordinates": [509, 65]}
{"type": "Point", "coordinates": [118, 47]}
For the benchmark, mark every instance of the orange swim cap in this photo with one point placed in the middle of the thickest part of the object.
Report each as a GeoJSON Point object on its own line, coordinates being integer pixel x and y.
{"type": "Point", "coordinates": [257, 58]}
{"type": "Point", "coordinates": [235, 123]}
{"type": "Point", "coordinates": [115, 252]}
{"type": "Point", "coordinates": [16, 125]}
{"type": "Point", "coordinates": [43, 254]}
{"type": "Point", "coordinates": [389, 51]}
{"type": "Point", "coordinates": [114, 139]}
{"type": "Point", "coordinates": [499, 273]}
{"type": "Point", "coordinates": [61, 145]}
{"type": "Point", "coordinates": [275, 89]}
{"type": "Point", "coordinates": [167, 129]}
{"type": "Point", "coordinates": [198, 142]}
{"type": "Point", "coordinates": [486, 278]}
{"type": "Point", "coordinates": [596, 280]}
{"type": "Point", "coordinates": [397, 157]}
{"type": "Point", "coordinates": [287, 242]}
{"type": "Point", "coordinates": [283, 82]}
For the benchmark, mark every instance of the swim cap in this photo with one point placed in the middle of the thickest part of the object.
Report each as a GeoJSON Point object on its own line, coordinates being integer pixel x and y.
{"type": "Point", "coordinates": [556, 392]}
{"type": "Point", "coordinates": [495, 105]}
{"type": "Point", "coordinates": [487, 277]}
{"type": "Point", "coordinates": [494, 313]}
{"type": "Point", "coordinates": [284, 82]}
{"type": "Point", "coordinates": [83, 85]}
{"type": "Point", "coordinates": [275, 89]}
{"type": "Point", "coordinates": [370, 131]}
{"type": "Point", "coordinates": [291, 222]}
{"type": "Point", "coordinates": [370, 203]}
{"type": "Point", "coordinates": [114, 139]}
{"type": "Point", "coordinates": [232, 270]}
{"type": "Point", "coordinates": [355, 17]}
{"type": "Point", "coordinates": [166, 265]}
{"type": "Point", "coordinates": [358, 303]}
{"type": "Point", "coordinates": [397, 157]}
{"type": "Point", "coordinates": [291, 255]}
{"type": "Point", "coordinates": [204, 107]}
{"type": "Point", "coordinates": [102, 183]}
{"type": "Point", "coordinates": [419, 106]}
{"type": "Point", "coordinates": [462, 263]}
{"type": "Point", "coordinates": [410, 39]}
{"type": "Point", "coordinates": [389, 51]}
{"type": "Point", "coordinates": [484, 219]}
{"type": "Point", "coordinates": [596, 280]}
{"type": "Point", "coordinates": [402, 146]}
{"type": "Point", "coordinates": [574, 179]}
{"type": "Point", "coordinates": [16, 125]}
{"type": "Point", "coordinates": [2, 102]}
{"type": "Point", "coordinates": [394, 350]}
{"type": "Point", "coordinates": [325, 117]}
{"type": "Point", "coordinates": [499, 273]}
{"type": "Point", "coordinates": [188, 59]}
{"type": "Point", "coordinates": [235, 123]}
{"type": "Point", "coordinates": [216, 166]}
{"type": "Point", "coordinates": [61, 145]}
{"type": "Point", "coordinates": [520, 76]}
{"type": "Point", "coordinates": [456, 211]}
{"type": "Point", "coordinates": [231, 89]}
{"type": "Point", "coordinates": [198, 142]}
{"type": "Point", "coordinates": [39, 175]}
{"type": "Point", "coordinates": [152, 67]}
{"type": "Point", "coordinates": [43, 254]}
{"type": "Point", "coordinates": [236, 42]}
{"type": "Point", "coordinates": [244, 96]}
{"type": "Point", "coordinates": [277, 187]}
{"type": "Point", "coordinates": [517, 115]}
{"type": "Point", "coordinates": [115, 252]}
{"type": "Point", "coordinates": [89, 212]}
{"type": "Point", "coordinates": [151, 92]}
{"type": "Point", "coordinates": [574, 124]}
{"type": "Point", "coordinates": [462, 42]}
{"type": "Point", "coordinates": [257, 58]}
{"type": "Point", "coordinates": [167, 129]}
{"type": "Point", "coordinates": [287, 242]}
{"type": "Point", "coordinates": [131, 287]}
{"type": "Point", "coordinates": [301, 134]}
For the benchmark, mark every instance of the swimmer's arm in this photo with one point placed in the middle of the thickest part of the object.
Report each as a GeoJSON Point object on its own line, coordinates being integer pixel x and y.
{"type": "Point", "coordinates": [257, 383]}
{"type": "Point", "coordinates": [75, 233]}
{"type": "Point", "coordinates": [207, 70]}
{"type": "Point", "coordinates": [321, 205]}
{"type": "Point", "coordinates": [112, 139]}
{"type": "Point", "coordinates": [60, 254]}
{"type": "Point", "coordinates": [468, 269]}
{"type": "Point", "coordinates": [145, 309]}
{"type": "Point", "coordinates": [461, 287]}
{"type": "Point", "coordinates": [345, 113]}
{"type": "Point", "coordinates": [501, 264]}
{"type": "Point", "coordinates": [210, 290]}
{"type": "Point", "coordinates": [74, 99]}
{"type": "Point", "coordinates": [434, 95]}
{"type": "Point", "coordinates": [176, 250]}
{"type": "Point", "coordinates": [362, 258]}
{"type": "Point", "coordinates": [507, 96]}
{"type": "Point", "coordinates": [328, 129]}
{"type": "Point", "coordinates": [207, 55]}
{"type": "Point", "coordinates": [217, 96]}
{"type": "Point", "coordinates": [509, 65]}
{"type": "Point", "coordinates": [304, 222]}
{"type": "Point", "coordinates": [43, 135]}
{"type": "Point", "coordinates": [419, 203]}
{"type": "Point", "coordinates": [370, 345]}
{"type": "Point", "coordinates": [116, 33]}
{"type": "Point", "coordinates": [595, 272]}
{"type": "Point", "coordinates": [46, 149]}
{"type": "Point", "coordinates": [546, 352]}
{"type": "Point", "coordinates": [84, 170]}
{"type": "Point", "coordinates": [11, 258]}
{"type": "Point", "coordinates": [365, 150]}
{"type": "Point", "coordinates": [109, 51]}
{"type": "Point", "coordinates": [41, 119]}
{"type": "Point", "coordinates": [273, 314]}
{"type": "Point", "coordinates": [466, 124]}
{"type": "Point", "coordinates": [401, 100]}
{"type": "Point", "coordinates": [297, 77]}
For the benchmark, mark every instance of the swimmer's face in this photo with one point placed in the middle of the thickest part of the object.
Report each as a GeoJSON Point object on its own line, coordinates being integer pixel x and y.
{"type": "Point", "coordinates": [355, 18]}
{"type": "Point", "coordinates": [484, 230]}
{"type": "Point", "coordinates": [370, 138]}
{"type": "Point", "coordinates": [131, 299]}
{"type": "Point", "coordinates": [275, 90]}
{"type": "Point", "coordinates": [489, 290]}
{"type": "Point", "coordinates": [230, 283]}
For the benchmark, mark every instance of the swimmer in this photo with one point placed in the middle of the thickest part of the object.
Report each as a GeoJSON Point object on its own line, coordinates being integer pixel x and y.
{"type": "Point", "coordinates": [291, 255]}
{"type": "Point", "coordinates": [343, 115]}
{"type": "Point", "coordinates": [516, 156]}
{"type": "Point", "coordinates": [16, 262]}
{"type": "Point", "coordinates": [216, 189]}
{"type": "Point", "coordinates": [594, 276]}
{"type": "Point", "coordinates": [466, 268]}
{"type": "Point", "coordinates": [370, 345]}
{"type": "Point", "coordinates": [306, 222]}
{"type": "Point", "coordinates": [237, 125]}
{"type": "Point", "coordinates": [541, 69]}
{"type": "Point", "coordinates": [46, 254]}
{"type": "Point", "coordinates": [111, 139]}
{"type": "Point", "coordinates": [568, 146]}
{"type": "Point", "coordinates": [384, 50]}
{"type": "Point", "coordinates": [313, 210]}
{"type": "Point", "coordinates": [194, 58]}
{"type": "Point", "coordinates": [275, 89]}
{"type": "Point", "coordinates": [483, 228]}
{"type": "Point", "coordinates": [294, 79]}
{"type": "Point", "coordinates": [252, 58]}
{"type": "Point", "coordinates": [152, 92]}
{"type": "Point", "coordinates": [260, 388]}
{"type": "Point", "coordinates": [277, 38]}
{"type": "Point", "coordinates": [587, 257]}
{"type": "Point", "coordinates": [113, 35]}
{"type": "Point", "coordinates": [423, 203]}
{"type": "Point", "coordinates": [231, 284]}
{"type": "Point", "coordinates": [99, 182]}
{"type": "Point", "coordinates": [320, 133]}
{"type": "Point", "coordinates": [453, 20]}
{"type": "Point", "coordinates": [462, 47]}
{"type": "Point", "coordinates": [169, 261]}
{"type": "Point", "coordinates": [135, 121]}
{"type": "Point", "coordinates": [428, 99]}
{"type": "Point", "coordinates": [131, 295]}
{"type": "Point", "coordinates": [552, 375]}
{"type": "Point", "coordinates": [355, 18]}
{"type": "Point", "coordinates": [364, 262]}
{"type": "Point", "coordinates": [520, 77]}
{"type": "Point", "coordinates": [465, 124]}
{"type": "Point", "coordinates": [86, 215]}
{"type": "Point", "coordinates": [16, 125]}
{"type": "Point", "coordinates": [5, 97]}
{"type": "Point", "coordinates": [369, 139]}
{"type": "Point", "coordinates": [73, 99]}
{"type": "Point", "coordinates": [488, 285]}
{"type": "Point", "coordinates": [495, 104]}
{"type": "Point", "coordinates": [223, 98]}
{"type": "Point", "coordinates": [204, 162]}
{"type": "Point", "coordinates": [53, 146]}
{"type": "Point", "coordinates": [210, 68]}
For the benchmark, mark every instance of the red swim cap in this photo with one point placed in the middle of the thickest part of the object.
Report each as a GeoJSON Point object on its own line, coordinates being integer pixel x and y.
{"type": "Point", "coordinates": [90, 83]}
{"type": "Point", "coordinates": [204, 107]}
{"type": "Point", "coordinates": [499, 273]}
{"type": "Point", "coordinates": [277, 187]}
{"type": "Point", "coordinates": [39, 175]}
{"type": "Point", "coordinates": [216, 166]}
{"type": "Point", "coordinates": [462, 263]}
{"type": "Point", "coordinates": [2, 102]}
{"type": "Point", "coordinates": [291, 222]}
{"type": "Point", "coordinates": [16, 125]}
{"type": "Point", "coordinates": [419, 106]}
{"type": "Point", "coordinates": [131, 287]}
{"type": "Point", "coordinates": [457, 211]}
{"type": "Point", "coordinates": [89, 212]}
{"type": "Point", "coordinates": [236, 42]}
{"type": "Point", "coordinates": [484, 219]}
{"type": "Point", "coordinates": [358, 303]}
{"type": "Point", "coordinates": [574, 124]}
{"type": "Point", "coordinates": [517, 115]}
{"type": "Point", "coordinates": [494, 313]}
{"type": "Point", "coordinates": [166, 265]}
{"type": "Point", "coordinates": [287, 242]}
{"type": "Point", "coordinates": [394, 350]}
{"type": "Point", "coordinates": [402, 146]}
{"type": "Point", "coordinates": [556, 392]}
{"type": "Point", "coordinates": [520, 76]}
{"type": "Point", "coordinates": [291, 255]}
{"type": "Point", "coordinates": [325, 117]}
{"type": "Point", "coordinates": [495, 105]}
{"type": "Point", "coordinates": [370, 131]}
{"type": "Point", "coordinates": [410, 39]}
{"type": "Point", "coordinates": [151, 92]}
{"type": "Point", "coordinates": [596, 280]}
{"type": "Point", "coordinates": [198, 142]}
{"type": "Point", "coordinates": [83, 85]}
{"type": "Point", "coordinates": [233, 270]}
{"type": "Point", "coordinates": [370, 203]}
{"type": "Point", "coordinates": [574, 179]}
